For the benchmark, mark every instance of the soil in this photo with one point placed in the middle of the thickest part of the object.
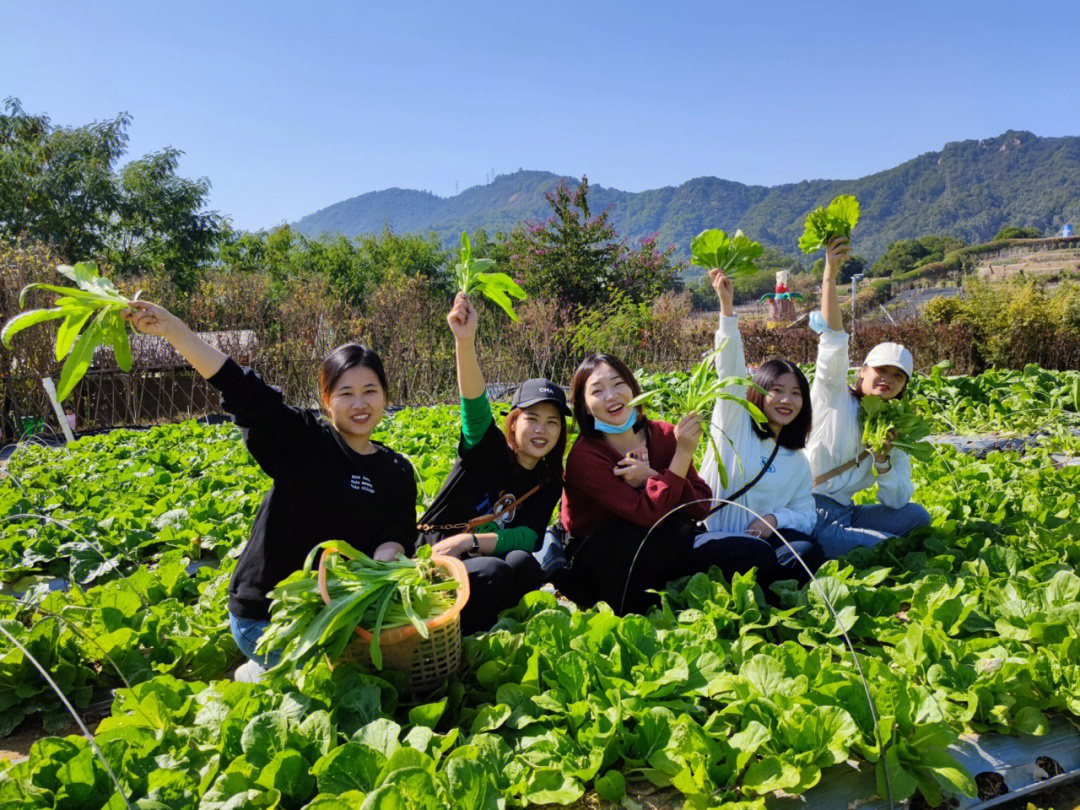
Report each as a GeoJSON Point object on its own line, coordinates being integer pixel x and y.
{"type": "Point", "coordinates": [1066, 797]}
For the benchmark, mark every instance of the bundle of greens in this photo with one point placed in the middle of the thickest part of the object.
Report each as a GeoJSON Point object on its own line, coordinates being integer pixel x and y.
{"type": "Point", "coordinates": [828, 222]}
{"type": "Point", "coordinates": [700, 392]}
{"type": "Point", "coordinates": [94, 297]}
{"type": "Point", "coordinates": [714, 249]}
{"type": "Point", "coordinates": [895, 421]}
{"type": "Point", "coordinates": [363, 593]}
{"type": "Point", "coordinates": [472, 276]}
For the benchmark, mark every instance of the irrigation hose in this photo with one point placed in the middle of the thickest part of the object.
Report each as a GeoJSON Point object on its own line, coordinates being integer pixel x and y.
{"type": "Point", "coordinates": [74, 714]}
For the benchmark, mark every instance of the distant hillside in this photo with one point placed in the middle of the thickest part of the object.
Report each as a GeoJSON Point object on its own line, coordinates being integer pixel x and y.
{"type": "Point", "coordinates": [969, 189]}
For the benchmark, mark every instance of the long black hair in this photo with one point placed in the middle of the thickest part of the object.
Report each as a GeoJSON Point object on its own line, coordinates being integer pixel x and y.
{"type": "Point", "coordinates": [794, 434]}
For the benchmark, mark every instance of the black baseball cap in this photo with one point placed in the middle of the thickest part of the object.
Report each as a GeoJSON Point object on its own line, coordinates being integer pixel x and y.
{"type": "Point", "coordinates": [532, 392]}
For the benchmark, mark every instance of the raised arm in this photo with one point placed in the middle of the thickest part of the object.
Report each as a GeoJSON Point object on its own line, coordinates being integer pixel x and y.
{"type": "Point", "coordinates": [731, 361]}
{"type": "Point", "coordinates": [830, 376]}
{"type": "Point", "coordinates": [835, 255]}
{"type": "Point", "coordinates": [462, 321]}
{"type": "Point", "coordinates": [152, 319]}
{"type": "Point", "coordinates": [273, 431]}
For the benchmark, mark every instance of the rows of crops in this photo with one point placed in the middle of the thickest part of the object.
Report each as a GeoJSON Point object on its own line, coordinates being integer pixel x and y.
{"type": "Point", "coordinates": [971, 626]}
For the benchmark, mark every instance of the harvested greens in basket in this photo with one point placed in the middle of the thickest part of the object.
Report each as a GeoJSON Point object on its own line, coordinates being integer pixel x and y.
{"type": "Point", "coordinates": [365, 593]}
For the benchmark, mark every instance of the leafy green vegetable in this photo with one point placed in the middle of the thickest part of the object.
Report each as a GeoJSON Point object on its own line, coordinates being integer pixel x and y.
{"type": "Point", "coordinates": [734, 255]}
{"type": "Point", "coordinates": [94, 298]}
{"type": "Point", "coordinates": [363, 592]}
{"type": "Point", "coordinates": [896, 421]}
{"type": "Point", "coordinates": [827, 222]}
{"type": "Point", "coordinates": [473, 276]}
{"type": "Point", "coordinates": [700, 392]}
{"type": "Point", "coordinates": [716, 695]}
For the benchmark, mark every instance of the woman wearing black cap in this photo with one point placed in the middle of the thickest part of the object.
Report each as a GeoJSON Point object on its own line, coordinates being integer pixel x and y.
{"type": "Point", "coordinates": [503, 488]}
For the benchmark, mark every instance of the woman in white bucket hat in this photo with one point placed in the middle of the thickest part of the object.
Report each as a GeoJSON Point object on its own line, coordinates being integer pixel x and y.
{"type": "Point", "coordinates": [840, 464]}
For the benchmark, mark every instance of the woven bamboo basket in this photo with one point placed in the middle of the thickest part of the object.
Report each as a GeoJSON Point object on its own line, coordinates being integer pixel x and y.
{"type": "Point", "coordinates": [429, 661]}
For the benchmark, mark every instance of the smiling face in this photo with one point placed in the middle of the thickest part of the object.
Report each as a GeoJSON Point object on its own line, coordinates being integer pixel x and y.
{"type": "Point", "coordinates": [783, 401]}
{"type": "Point", "coordinates": [883, 381]}
{"type": "Point", "coordinates": [608, 395]}
{"type": "Point", "coordinates": [356, 403]}
{"type": "Point", "coordinates": [536, 432]}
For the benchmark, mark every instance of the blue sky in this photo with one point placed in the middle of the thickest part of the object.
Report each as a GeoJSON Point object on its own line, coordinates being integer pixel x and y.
{"type": "Point", "coordinates": [289, 107]}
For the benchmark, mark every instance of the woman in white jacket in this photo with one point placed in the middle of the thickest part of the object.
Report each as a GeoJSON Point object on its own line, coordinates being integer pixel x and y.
{"type": "Point", "coordinates": [840, 464]}
{"type": "Point", "coordinates": [768, 457]}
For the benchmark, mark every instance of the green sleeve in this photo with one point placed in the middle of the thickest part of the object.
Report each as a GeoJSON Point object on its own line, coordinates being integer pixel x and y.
{"type": "Point", "coordinates": [522, 538]}
{"type": "Point", "coordinates": [475, 418]}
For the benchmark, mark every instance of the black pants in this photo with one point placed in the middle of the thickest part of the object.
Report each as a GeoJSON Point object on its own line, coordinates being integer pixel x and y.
{"type": "Point", "coordinates": [495, 584]}
{"type": "Point", "coordinates": [600, 564]}
{"type": "Point", "coordinates": [803, 545]}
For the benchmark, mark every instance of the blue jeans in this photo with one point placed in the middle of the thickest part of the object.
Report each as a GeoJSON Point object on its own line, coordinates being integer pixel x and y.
{"type": "Point", "coordinates": [841, 529]}
{"type": "Point", "coordinates": [246, 633]}
{"type": "Point", "coordinates": [552, 553]}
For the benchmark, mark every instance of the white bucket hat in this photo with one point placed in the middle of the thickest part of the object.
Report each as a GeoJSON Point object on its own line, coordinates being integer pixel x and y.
{"type": "Point", "coordinates": [891, 354]}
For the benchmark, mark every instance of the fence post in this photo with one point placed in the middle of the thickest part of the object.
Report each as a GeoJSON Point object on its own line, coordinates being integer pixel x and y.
{"type": "Point", "coordinates": [61, 417]}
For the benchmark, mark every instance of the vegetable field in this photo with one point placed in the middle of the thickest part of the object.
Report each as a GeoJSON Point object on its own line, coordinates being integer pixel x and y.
{"type": "Point", "coordinates": [116, 551]}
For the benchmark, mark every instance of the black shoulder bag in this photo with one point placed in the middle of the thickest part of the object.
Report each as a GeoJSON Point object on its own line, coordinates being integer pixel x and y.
{"type": "Point", "coordinates": [747, 487]}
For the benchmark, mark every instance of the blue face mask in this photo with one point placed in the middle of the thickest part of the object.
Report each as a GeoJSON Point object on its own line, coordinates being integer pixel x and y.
{"type": "Point", "coordinates": [604, 427]}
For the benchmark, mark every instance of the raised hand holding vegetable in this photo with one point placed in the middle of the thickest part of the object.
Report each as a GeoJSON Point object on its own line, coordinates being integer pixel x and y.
{"type": "Point", "coordinates": [826, 223]}
{"type": "Point", "coordinates": [94, 298]}
{"type": "Point", "coordinates": [473, 275]}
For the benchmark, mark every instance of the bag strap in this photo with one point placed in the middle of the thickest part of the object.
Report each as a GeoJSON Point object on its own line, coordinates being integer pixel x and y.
{"type": "Point", "coordinates": [746, 487]}
{"type": "Point", "coordinates": [843, 468]}
{"type": "Point", "coordinates": [479, 520]}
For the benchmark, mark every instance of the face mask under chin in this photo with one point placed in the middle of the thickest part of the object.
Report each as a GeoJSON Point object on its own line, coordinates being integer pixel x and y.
{"type": "Point", "coordinates": [604, 427]}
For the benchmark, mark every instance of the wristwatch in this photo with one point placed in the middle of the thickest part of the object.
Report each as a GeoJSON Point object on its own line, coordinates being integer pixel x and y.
{"type": "Point", "coordinates": [475, 546]}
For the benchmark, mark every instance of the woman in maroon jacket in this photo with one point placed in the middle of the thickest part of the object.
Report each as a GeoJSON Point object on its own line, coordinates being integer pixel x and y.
{"type": "Point", "coordinates": [624, 474]}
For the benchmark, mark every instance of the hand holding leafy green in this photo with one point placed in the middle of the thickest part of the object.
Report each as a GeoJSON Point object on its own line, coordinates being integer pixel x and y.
{"type": "Point", "coordinates": [699, 393]}
{"type": "Point", "coordinates": [828, 222]}
{"type": "Point", "coordinates": [734, 255]}
{"type": "Point", "coordinates": [95, 297]}
{"type": "Point", "coordinates": [363, 592]}
{"type": "Point", "coordinates": [895, 421]}
{"type": "Point", "coordinates": [473, 275]}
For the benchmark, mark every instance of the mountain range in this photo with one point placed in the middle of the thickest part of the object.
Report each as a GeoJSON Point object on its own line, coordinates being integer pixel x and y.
{"type": "Point", "coordinates": [969, 189]}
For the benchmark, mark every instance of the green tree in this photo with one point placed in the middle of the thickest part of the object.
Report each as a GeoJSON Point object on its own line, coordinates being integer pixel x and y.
{"type": "Point", "coordinates": [577, 258]}
{"type": "Point", "coordinates": [57, 184]}
{"type": "Point", "coordinates": [62, 185]}
{"type": "Point", "coordinates": [159, 222]}
{"type": "Point", "coordinates": [353, 267]}
{"type": "Point", "coordinates": [905, 255]}
{"type": "Point", "coordinates": [1014, 232]}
